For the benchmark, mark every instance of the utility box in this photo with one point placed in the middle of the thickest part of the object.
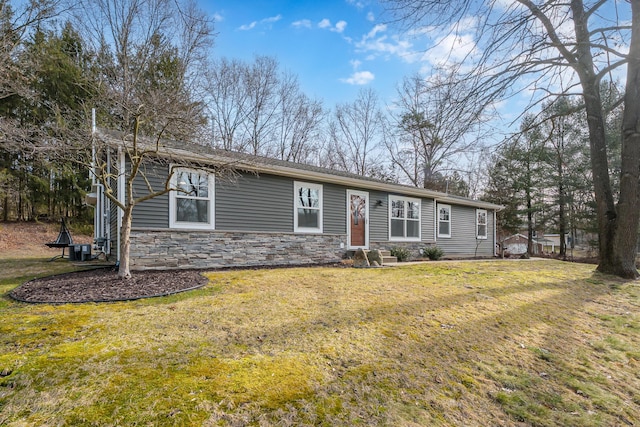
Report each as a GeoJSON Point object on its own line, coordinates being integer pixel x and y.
{"type": "Point", "coordinates": [86, 252]}
{"type": "Point", "coordinates": [79, 252]}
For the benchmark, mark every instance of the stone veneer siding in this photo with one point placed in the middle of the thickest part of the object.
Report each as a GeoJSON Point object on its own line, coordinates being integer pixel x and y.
{"type": "Point", "coordinates": [182, 249]}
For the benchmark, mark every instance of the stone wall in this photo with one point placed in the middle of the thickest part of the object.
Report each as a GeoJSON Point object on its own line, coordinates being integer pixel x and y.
{"type": "Point", "coordinates": [178, 249]}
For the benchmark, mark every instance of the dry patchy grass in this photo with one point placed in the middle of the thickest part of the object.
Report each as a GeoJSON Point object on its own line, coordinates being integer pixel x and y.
{"type": "Point", "coordinates": [540, 343]}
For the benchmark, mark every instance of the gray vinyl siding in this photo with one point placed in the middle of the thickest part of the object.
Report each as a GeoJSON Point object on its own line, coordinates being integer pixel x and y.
{"type": "Point", "coordinates": [264, 203]}
{"type": "Point", "coordinates": [334, 209]}
{"type": "Point", "coordinates": [463, 234]}
{"type": "Point", "coordinates": [378, 216]}
{"type": "Point", "coordinates": [428, 226]}
{"type": "Point", "coordinates": [254, 203]}
{"type": "Point", "coordinates": [153, 213]}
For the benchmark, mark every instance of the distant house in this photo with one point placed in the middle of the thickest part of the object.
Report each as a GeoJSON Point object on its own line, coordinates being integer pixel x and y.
{"type": "Point", "coordinates": [276, 212]}
{"type": "Point", "coordinates": [517, 245]}
{"type": "Point", "coordinates": [551, 242]}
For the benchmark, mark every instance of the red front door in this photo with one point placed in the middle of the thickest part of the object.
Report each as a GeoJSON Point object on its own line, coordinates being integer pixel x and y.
{"type": "Point", "coordinates": [358, 219]}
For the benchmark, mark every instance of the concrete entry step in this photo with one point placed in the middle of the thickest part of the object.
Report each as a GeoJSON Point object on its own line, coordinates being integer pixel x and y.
{"type": "Point", "coordinates": [386, 256]}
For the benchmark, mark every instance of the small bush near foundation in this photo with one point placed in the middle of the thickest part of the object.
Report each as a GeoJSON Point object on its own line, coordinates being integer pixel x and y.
{"type": "Point", "coordinates": [401, 253]}
{"type": "Point", "coordinates": [433, 252]}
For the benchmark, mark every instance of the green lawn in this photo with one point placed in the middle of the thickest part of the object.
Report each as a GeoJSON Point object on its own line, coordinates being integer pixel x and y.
{"type": "Point", "coordinates": [540, 343]}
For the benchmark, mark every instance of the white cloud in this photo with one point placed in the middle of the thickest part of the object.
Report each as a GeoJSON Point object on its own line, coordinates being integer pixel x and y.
{"type": "Point", "coordinates": [355, 63]}
{"type": "Point", "coordinates": [217, 17]}
{"type": "Point", "coordinates": [272, 19]}
{"type": "Point", "coordinates": [380, 28]}
{"type": "Point", "coordinates": [451, 49]}
{"type": "Point", "coordinates": [269, 20]}
{"type": "Point", "coordinates": [376, 42]}
{"type": "Point", "coordinates": [303, 23]}
{"type": "Point", "coordinates": [357, 3]}
{"type": "Point", "coordinates": [359, 78]}
{"type": "Point", "coordinates": [371, 17]}
{"type": "Point", "coordinates": [325, 23]}
{"type": "Point", "coordinates": [248, 27]}
{"type": "Point", "coordinates": [340, 26]}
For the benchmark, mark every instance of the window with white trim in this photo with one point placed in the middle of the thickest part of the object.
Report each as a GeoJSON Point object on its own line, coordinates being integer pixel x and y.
{"type": "Point", "coordinates": [404, 218]}
{"type": "Point", "coordinates": [444, 221]}
{"type": "Point", "coordinates": [481, 224]}
{"type": "Point", "coordinates": [191, 204]}
{"type": "Point", "coordinates": [307, 215]}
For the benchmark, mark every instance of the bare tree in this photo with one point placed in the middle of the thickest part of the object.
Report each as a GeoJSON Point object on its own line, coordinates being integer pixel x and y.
{"type": "Point", "coordinates": [257, 109]}
{"type": "Point", "coordinates": [262, 86]}
{"type": "Point", "coordinates": [227, 99]}
{"type": "Point", "coordinates": [563, 48]}
{"type": "Point", "coordinates": [150, 53]}
{"type": "Point", "coordinates": [357, 133]}
{"type": "Point", "coordinates": [438, 123]}
{"type": "Point", "coordinates": [298, 122]}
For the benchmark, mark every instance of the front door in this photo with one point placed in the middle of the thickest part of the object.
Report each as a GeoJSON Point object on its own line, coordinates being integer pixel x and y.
{"type": "Point", "coordinates": [358, 219]}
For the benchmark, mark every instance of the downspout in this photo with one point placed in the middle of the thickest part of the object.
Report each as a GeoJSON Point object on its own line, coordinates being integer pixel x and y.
{"type": "Point", "coordinates": [93, 146]}
{"type": "Point", "coordinates": [97, 211]}
{"type": "Point", "coordinates": [495, 235]}
{"type": "Point", "coordinates": [435, 220]}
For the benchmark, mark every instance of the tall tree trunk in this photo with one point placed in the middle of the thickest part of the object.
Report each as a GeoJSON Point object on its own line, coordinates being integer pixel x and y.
{"type": "Point", "coordinates": [629, 202]}
{"type": "Point", "coordinates": [530, 247]}
{"type": "Point", "coordinates": [605, 207]}
{"type": "Point", "coordinates": [561, 210]}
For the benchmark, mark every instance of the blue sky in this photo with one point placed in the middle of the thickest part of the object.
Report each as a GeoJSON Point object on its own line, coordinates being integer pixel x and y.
{"type": "Point", "coordinates": [335, 47]}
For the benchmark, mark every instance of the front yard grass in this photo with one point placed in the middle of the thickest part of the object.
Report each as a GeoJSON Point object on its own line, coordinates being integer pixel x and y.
{"type": "Point", "coordinates": [540, 343]}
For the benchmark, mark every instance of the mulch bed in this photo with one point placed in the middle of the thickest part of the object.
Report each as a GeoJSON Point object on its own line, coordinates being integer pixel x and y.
{"type": "Point", "coordinates": [102, 285]}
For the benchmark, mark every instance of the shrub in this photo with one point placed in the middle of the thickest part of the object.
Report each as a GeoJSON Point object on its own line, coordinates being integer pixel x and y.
{"type": "Point", "coordinates": [401, 253]}
{"type": "Point", "coordinates": [433, 252]}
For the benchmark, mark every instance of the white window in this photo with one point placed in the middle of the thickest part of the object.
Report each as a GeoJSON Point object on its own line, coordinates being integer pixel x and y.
{"type": "Point", "coordinates": [307, 215]}
{"type": "Point", "coordinates": [444, 221]}
{"type": "Point", "coordinates": [191, 204]}
{"type": "Point", "coordinates": [404, 218]}
{"type": "Point", "coordinates": [481, 224]}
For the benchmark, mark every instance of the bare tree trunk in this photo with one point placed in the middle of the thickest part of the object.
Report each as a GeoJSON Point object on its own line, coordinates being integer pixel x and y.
{"type": "Point", "coordinates": [605, 207]}
{"type": "Point", "coordinates": [562, 205]}
{"type": "Point", "coordinates": [529, 224]}
{"type": "Point", "coordinates": [626, 232]}
{"type": "Point", "coordinates": [124, 271]}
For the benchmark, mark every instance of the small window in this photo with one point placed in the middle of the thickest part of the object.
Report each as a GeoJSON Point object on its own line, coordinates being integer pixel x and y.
{"type": "Point", "coordinates": [481, 223]}
{"type": "Point", "coordinates": [191, 201]}
{"type": "Point", "coordinates": [444, 221]}
{"type": "Point", "coordinates": [307, 216]}
{"type": "Point", "coordinates": [404, 218]}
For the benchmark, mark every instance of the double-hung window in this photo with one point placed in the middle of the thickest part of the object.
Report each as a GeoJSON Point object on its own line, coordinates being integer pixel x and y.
{"type": "Point", "coordinates": [481, 224]}
{"type": "Point", "coordinates": [307, 215]}
{"type": "Point", "coordinates": [191, 202]}
{"type": "Point", "coordinates": [404, 218]}
{"type": "Point", "coordinates": [444, 221]}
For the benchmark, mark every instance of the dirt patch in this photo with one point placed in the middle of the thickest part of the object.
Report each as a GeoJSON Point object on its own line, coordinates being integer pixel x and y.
{"type": "Point", "coordinates": [104, 285]}
{"type": "Point", "coordinates": [20, 239]}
